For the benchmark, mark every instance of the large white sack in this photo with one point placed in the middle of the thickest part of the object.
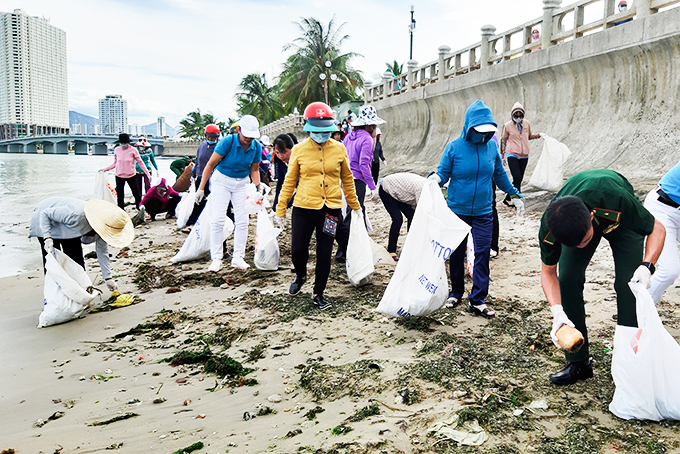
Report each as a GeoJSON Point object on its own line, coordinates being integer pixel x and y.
{"type": "Point", "coordinates": [185, 207]}
{"type": "Point", "coordinates": [419, 284]}
{"type": "Point", "coordinates": [549, 170]}
{"type": "Point", "coordinates": [359, 259]}
{"type": "Point", "coordinates": [645, 366]}
{"type": "Point", "coordinates": [65, 295]}
{"type": "Point", "coordinates": [103, 189]}
{"type": "Point", "coordinates": [266, 245]}
{"type": "Point", "coordinates": [197, 243]}
{"type": "Point", "coordinates": [381, 256]}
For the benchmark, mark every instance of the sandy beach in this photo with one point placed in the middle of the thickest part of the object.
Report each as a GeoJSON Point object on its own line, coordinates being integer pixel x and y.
{"type": "Point", "coordinates": [346, 380]}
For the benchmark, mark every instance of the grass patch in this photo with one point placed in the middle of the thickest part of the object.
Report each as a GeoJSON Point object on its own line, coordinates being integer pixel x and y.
{"type": "Point", "coordinates": [364, 413]}
{"type": "Point", "coordinates": [342, 429]}
{"type": "Point", "coordinates": [421, 324]}
{"type": "Point", "coordinates": [220, 365]}
{"type": "Point", "coordinates": [311, 414]}
{"type": "Point", "coordinates": [195, 447]}
{"type": "Point", "coordinates": [148, 277]}
{"type": "Point", "coordinates": [256, 353]}
{"type": "Point", "coordinates": [326, 382]}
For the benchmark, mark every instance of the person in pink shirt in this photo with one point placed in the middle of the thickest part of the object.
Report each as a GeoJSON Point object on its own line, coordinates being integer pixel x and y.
{"type": "Point", "coordinates": [124, 157]}
{"type": "Point", "coordinates": [160, 199]}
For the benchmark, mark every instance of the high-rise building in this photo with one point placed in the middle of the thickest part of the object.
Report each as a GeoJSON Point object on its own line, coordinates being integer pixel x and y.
{"type": "Point", "coordinates": [113, 114]}
{"type": "Point", "coordinates": [135, 130]}
{"type": "Point", "coordinates": [33, 76]}
{"type": "Point", "coordinates": [160, 127]}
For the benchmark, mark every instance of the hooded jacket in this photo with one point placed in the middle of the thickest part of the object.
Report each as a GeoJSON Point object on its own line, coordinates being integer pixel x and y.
{"type": "Point", "coordinates": [516, 137]}
{"type": "Point", "coordinates": [153, 194]}
{"type": "Point", "coordinates": [471, 167]}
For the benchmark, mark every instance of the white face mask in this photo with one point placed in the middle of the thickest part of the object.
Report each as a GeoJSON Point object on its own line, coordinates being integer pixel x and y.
{"type": "Point", "coordinates": [125, 145]}
{"type": "Point", "coordinates": [320, 137]}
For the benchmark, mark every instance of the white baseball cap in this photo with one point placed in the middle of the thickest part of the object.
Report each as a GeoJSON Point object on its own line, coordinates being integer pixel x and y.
{"type": "Point", "coordinates": [486, 127]}
{"type": "Point", "coordinates": [250, 127]}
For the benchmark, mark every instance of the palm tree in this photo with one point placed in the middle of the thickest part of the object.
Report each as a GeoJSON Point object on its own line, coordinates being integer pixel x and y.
{"type": "Point", "coordinates": [317, 70]}
{"type": "Point", "coordinates": [395, 68]}
{"type": "Point", "coordinates": [193, 126]}
{"type": "Point", "coordinates": [258, 98]}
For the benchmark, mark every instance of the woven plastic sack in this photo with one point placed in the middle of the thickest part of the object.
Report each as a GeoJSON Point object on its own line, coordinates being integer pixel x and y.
{"type": "Point", "coordinates": [549, 171]}
{"type": "Point", "coordinates": [645, 366]}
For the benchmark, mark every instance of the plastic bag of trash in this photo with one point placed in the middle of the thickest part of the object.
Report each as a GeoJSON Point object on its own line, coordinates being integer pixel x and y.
{"type": "Point", "coordinates": [65, 295]}
{"type": "Point", "coordinates": [549, 170]}
{"type": "Point", "coordinates": [645, 366]}
{"type": "Point", "coordinates": [359, 253]}
{"type": "Point", "coordinates": [103, 189]}
{"type": "Point", "coordinates": [468, 433]}
{"type": "Point", "coordinates": [185, 207]}
{"type": "Point", "coordinates": [197, 243]}
{"type": "Point", "coordinates": [255, 199]}
{"type": "Point", "coordinates": [381, 256]}
{"type": "Point", "coordinates": [266, 244]}
{"type": "Point", "coordinates": [419, 284]}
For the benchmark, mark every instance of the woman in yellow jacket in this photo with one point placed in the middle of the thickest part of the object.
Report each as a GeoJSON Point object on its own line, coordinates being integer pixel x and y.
{"type": "Point", "coordinates": [319, 163]}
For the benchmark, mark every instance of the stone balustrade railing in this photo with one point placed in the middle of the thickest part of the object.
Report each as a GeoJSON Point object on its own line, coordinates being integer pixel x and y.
{"type": "Point", "coordinates": [289, 123]}
{"type": "Point", "coordinates": [555, 27]}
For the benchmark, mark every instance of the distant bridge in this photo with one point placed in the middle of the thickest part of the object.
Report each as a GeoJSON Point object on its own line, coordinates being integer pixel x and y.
{"type": "Point", "coordinates": [58, 144]}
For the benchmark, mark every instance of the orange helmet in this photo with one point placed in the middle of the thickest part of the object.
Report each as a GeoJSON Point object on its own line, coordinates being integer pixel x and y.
{"type": "Point", "coordinates": [319, 117]}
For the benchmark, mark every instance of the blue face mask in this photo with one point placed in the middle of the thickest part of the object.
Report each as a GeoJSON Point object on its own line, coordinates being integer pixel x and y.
{"type": "Point", "coordinates": [479, 138]}
{"type": "Point", "coordinates": [320, 137]}
{"type": "Point", "coordinates": [211, 142]}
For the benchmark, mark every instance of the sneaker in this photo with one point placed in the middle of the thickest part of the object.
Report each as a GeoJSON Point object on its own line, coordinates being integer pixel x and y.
{"type": "Point", "coordinates": [451, 302]}
{"type": "Point", "coordinates": [238, 262]}
{"type": "Point", "coordinates": [321, 302]}
{"type": "Point", "coordinates": [215, 266]}
{"type": "Point", "coordinates": [296, 286]}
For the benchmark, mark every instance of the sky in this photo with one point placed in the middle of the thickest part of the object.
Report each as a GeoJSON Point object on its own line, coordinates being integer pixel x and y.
{"type": "Point", "coordinates": [170, 57]}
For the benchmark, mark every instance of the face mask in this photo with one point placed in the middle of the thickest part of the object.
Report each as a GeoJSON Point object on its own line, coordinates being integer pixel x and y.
{"type": "Point", "coordinates": [161, 191]}
{"type": "Point", "coordinates": [125, 146]}
{"type": "Point", "coordinates": [479, 138]}
{"type": "Point", "coordinates": [517, 120]}
{"type": "Point", "coordinates": [320, 137]}
{"type": "Point", "coordinates": [211, 142]}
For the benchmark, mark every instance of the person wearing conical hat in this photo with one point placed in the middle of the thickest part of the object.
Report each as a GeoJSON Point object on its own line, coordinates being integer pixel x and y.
{"type": "Point", "coordinates": [67, 223]}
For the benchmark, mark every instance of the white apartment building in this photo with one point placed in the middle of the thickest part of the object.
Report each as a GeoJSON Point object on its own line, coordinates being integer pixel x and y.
{"type": "Point", "coordinates": [79, 128]}
{"type": "Point", "coordinates": [161, 131]}
{"type": "Point", "coordinates": [33, 76]}
{"type": "Point", "coordinates": [113, 114]}
{"type": "Point", "coordinates": [135, 130]}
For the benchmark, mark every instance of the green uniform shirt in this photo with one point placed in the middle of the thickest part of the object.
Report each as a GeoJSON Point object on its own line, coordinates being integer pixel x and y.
{"type": "Point", "coordinates": [610, 197]}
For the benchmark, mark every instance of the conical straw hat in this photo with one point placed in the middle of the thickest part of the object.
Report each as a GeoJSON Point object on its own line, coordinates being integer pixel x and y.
{"type": "Point", "coordinates": [110, 222]}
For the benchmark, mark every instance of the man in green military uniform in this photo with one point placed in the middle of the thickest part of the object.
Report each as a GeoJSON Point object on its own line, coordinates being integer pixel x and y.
{"type": "Point", "coordinates": [179, 164]}
{"type": "Point", "coordinates": [592, 205]}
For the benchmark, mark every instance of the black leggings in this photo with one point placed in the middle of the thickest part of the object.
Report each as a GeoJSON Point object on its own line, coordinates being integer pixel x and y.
{"type": "Point", "coordinates": [395, 208]}
{"type": "Point", "coordinates": [70, 246]}
{"type": "Point", "coordinates": [517, 167]}
{"type": "Point", "coordinates": [154, 206]}
{"type": "Point", "coordinates": [120, 189]}
{"type": "Point", "coordinates": [304, 222]}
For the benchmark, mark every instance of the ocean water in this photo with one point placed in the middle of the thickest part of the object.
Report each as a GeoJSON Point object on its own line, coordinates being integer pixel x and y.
{"type": "Point", "coordinates": [27, 179]}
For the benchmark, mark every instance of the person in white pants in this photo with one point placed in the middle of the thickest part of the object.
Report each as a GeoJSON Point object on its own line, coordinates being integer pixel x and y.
{"type": "Point", "coordinates": [664, 203]}
{"type": "Point", "coordinates": [236, 157]}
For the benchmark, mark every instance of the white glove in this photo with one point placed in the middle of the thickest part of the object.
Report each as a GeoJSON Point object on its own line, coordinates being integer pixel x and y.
{"type": "Point", "coordinates": [435, 177]}
{"type": "Point", "coordinates": [375, 195]}
{"type": "Point", "coordinates": [519, 206]}
{"type": "Point", "coordinates": [100, 170]}
{"type": "Point", "coordinates": [111, 284]}
{"type": "Point", "coordinates": [281, 221]}
{"type": "Point", "coordinates": [642, 275]}
{"type": "Point", "coordinates": [384, 162]}
{"type": "Point", "coordinates": [358, 212]}
{"type": "Point", "coordinates": [48, 245]}
{"type": "Point", "coordinates": [542, 135]}
{"type": "Point", "coordinates": [260, 188]}
{"type": "Point", "coordinates": [200, 195]}
{"type": "Point", "coordinates": [559, 319]}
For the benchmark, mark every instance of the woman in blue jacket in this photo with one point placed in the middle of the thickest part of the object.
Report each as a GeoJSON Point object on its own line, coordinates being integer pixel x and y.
{"type": "Point", "coordinates": [470, 163]}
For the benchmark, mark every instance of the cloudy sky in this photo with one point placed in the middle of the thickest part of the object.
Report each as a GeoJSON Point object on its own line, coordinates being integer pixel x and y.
{"type": "Point", "coordinates": [169, 57]}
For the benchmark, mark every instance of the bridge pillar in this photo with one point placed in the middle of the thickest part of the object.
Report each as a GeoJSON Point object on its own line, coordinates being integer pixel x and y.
{"type": "Point", "coordinates": [48, 148]}
{"type": "Point", "coordinates": [100, 149]}
{"type": "Point", "coordinates": [158, 150]}
{"type": "Point", "coordinates": [15, 148]}
{"type": "Point", "coordinates": [548, 25]}
{"type": "Point", "coordinates": [3, 149]}
{"type": "Point", "coordinates": [484, 49]}
{"type": "Point", "coordinates": [31, 148]}
{"type": "Point", "coordinates": [367, 93]}
{"type": "Point", "coordinates": [61, 148]}
{"type": "Point", "coordinates": [80, 148]}
{"type": "Point", "coordinates": [412, 68]}
{"type": "Point", "coordinates": [443, 52]}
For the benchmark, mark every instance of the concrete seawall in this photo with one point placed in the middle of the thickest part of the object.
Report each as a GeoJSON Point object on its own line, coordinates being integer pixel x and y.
{"type": "Point", "coordinates": [612, 97]}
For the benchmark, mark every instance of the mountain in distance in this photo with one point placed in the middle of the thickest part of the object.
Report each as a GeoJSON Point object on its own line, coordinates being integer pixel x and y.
{"type": "Point", "coordinates": [151, 129]}
{"type": "Point", "coordinates": [78, 118]}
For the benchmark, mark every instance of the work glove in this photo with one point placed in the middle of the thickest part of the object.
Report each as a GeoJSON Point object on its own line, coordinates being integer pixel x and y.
{"type": "Point", "coordinates": [281, 222]}
{"type": "Point", "coordinates": [100, 170]}
{"type": "Point", "coordinates": [111, 284]}
{"type": "Point", "coordinates": [642, 275]}
{"type": "Point", "coordinates": [434, 177]}
{"type": "Point", "coordinates": [358, 212]}
{"type": "Point", "coordinates": [519, 206]}
{"type": "Point", "coordinates": [559, 320]}
{"type": "Point", "coordinates": [48, 245]}
{"type": "Point", "coordinates": [375, 195]}
{"type": "Point", "coordinates": [200, 195]}
{"type": "Point", "coordinates": [384, 162]}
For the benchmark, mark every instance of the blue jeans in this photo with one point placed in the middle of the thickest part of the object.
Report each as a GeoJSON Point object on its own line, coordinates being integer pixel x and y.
{"type": "Point", "coordinates": [482, 230]}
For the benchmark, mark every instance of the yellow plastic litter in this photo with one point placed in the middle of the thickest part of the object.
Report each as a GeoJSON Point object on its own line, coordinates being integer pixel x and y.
{"type": "Point", "coordinates": [115, 294]}
{"type": "Point", "coordinates": [124, 300]}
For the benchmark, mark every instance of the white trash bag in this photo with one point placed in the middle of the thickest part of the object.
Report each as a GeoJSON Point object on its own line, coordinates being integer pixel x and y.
{"type": "Point", "coordinates": [380, 255]}
{"type": "Point", "coordinates": [549, 171]}
{"type": "Point", "coordinates": [197, 243]}
{"type": "Point", "coordinates": [359, 253]}
{"type": "Point", "coordinates": [255, 200]}
{"type": "Point", "coordinates": [419, 284]}
{"type": "Point", "coordinates": [185, 207]}
{"type": "Point", "coordinates": [470, 255]}
{"type": "Point", "coordinates": [65, 296]}
{"type": "Point", "coordinates": [266, 245]}
{"type": "Point", "coordinates": [645, 366]}
{"type": "Point", "coordinates": [103, 189]}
